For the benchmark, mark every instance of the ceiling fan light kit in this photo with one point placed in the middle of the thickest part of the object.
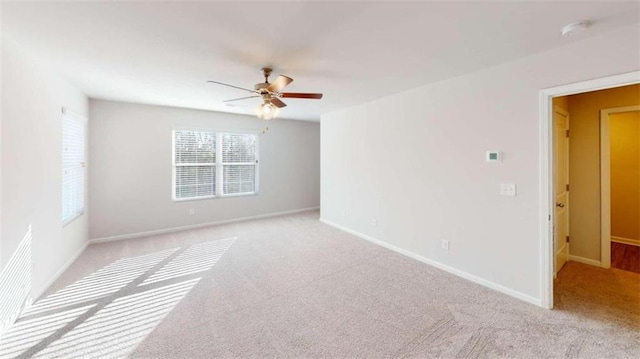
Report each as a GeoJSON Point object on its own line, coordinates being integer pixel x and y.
{"type": "Point", "coordinates": [271, 94]}
{"type": "Point", "coordinates": [267, 111]}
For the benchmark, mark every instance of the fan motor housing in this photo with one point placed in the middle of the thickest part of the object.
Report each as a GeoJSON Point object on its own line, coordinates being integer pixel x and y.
{"type": "Point", "coordinates": [261, 87]}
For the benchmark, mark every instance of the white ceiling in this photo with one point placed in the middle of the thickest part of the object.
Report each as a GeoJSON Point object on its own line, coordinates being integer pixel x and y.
{"type": "Point", "coordinates": [163, 52]}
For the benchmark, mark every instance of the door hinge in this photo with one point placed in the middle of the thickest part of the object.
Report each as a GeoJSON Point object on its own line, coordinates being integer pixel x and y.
{"type": "Point", "coordinates": [549, 217]}
{"type": "Point", "coordinates": [568, 133]}
{"type": "Point", "coordinates": [567, 187]}
{"type": "Point", "coordinates": [568, 239]}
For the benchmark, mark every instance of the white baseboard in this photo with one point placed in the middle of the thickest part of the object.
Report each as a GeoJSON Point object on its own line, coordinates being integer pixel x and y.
{"type": "Point", "coordinates": [486, 283]}
{"type": "Point", "coordinates": [195, 226]}
{"type": "Point", "coordinates": [629, 241]}
{"type": "Point", "coordinates": [585, 260]}
{"type": "Point", "coordinates": [60, 271]}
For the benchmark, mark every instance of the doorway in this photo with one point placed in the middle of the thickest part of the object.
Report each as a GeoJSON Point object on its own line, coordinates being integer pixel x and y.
{"type": "Point", "coordinates": [548, 194]}
{"type": "Point", "coordinates": [620, 192]}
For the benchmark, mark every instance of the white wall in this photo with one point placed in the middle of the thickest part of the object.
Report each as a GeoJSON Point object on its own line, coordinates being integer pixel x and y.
{"type": "Point", "coordinates": [132, 166]}
{"type": "Point", "coordinates": [415, 161]}
{"type": "Point", "coordinates": [31, 158]}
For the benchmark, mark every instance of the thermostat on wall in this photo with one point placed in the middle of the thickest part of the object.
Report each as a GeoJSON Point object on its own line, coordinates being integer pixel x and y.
{"type": "Point", "coordinates": [494, 156]}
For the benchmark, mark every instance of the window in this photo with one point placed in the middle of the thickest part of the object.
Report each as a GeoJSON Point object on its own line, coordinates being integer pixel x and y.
{"type": "Point", "coordinates": [195, 164]}
{"type": "Point", "coordinates": [73, 168]}
{"type": "Point", "coordinates": [214, 164]}
{"type": "Point", "coordinates": [238, 163]}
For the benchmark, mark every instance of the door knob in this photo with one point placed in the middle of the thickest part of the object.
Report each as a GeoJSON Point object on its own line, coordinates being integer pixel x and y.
{"type": "Point", "coordinates": [558, 204]}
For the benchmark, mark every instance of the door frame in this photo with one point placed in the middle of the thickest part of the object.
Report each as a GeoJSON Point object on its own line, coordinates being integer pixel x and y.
{"type": "Point", "coordinates": [605, 182]}
{"type": "Point", "coordinates": [546, 163]}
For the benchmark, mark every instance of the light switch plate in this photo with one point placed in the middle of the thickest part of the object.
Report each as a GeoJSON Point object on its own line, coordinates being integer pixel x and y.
{"type": "Point", "coordinates": [508, 189]}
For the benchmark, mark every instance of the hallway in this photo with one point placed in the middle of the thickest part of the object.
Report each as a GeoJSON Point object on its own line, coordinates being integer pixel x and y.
{"type": "Point", "coordinates": [601, 296]}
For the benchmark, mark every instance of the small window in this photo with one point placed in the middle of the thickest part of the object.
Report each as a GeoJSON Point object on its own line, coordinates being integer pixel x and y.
{"type": "Point", "coordinates": [211, 164]}
{"type": "Point", "coordinates": [73, 168]}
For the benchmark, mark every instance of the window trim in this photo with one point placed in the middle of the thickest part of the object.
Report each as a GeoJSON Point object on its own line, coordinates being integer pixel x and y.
{"type": "Point", "coordinates": [218, 164]}
{"type": "Point", "coordinates": [74, 116]}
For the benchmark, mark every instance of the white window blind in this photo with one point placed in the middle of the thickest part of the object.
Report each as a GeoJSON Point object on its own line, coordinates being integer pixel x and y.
{"type": "Point", "coordinates": [239, 163]}
{"type": "Point", "coordinates": [209, 164]}
{"type": "Point", "coordinates": [73, 168]}
{"type": "Point", "coordinates": [195, 164]}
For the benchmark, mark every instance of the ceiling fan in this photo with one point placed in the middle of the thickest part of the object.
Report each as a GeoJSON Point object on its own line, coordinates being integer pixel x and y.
{"type": "Point", "coordinates": [271, 93]}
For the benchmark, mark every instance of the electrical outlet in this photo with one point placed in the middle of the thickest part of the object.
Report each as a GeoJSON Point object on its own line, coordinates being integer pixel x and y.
{"type": "Point", "coordinates": [508, 189]}
{"type": "Point", "coordinates": [192, 211]}
{"type": "Point", "coordinates": [374, 222]}
{"type": "Point", "coordinates": [344, 213]}
{"type": "Point", "coordinates": [445, 245]}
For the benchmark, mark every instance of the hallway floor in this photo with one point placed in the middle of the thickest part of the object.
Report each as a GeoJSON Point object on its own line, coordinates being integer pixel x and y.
{"type": "Point", "coordinates": [600, 296]}
{"type": "Point", "coordinates": [625, 257]}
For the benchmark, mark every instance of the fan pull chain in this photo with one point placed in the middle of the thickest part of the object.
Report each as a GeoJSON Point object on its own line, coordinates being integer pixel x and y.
{"type": "Point", "coordinates": [265, 129]}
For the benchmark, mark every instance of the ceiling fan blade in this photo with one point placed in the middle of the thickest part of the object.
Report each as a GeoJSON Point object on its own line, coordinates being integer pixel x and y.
{"type": "Point", "coordinates": [280, 83]}
{"type": "Point", "coordinates": [315, 96]}
{"type": "Point", "coordinates": [241, 98]}
{"type": "Point", "coordinates": [235, 87]}
{"type": "Point", "coordinates": [277, 102]}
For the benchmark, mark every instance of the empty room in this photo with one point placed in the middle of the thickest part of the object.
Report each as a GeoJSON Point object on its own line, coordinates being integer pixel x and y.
{"type": "Point", "coordinates": [320, 179]}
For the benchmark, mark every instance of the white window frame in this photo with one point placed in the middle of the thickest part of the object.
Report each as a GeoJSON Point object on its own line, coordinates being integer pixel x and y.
{"type": "Point", "coordinates": [69, 115]}
{"type": "Point", "coordinates": [218, 165]}
{"type": "Point", "coordinates": [175, 166]}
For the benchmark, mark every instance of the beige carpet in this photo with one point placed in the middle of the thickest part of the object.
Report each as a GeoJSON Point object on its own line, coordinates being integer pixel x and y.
{"type": "Point", "coordinates": [294, 287]}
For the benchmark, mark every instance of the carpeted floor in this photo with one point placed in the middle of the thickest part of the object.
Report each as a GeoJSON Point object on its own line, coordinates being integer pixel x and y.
{"type": "Point", "coordinates": [294, 287]}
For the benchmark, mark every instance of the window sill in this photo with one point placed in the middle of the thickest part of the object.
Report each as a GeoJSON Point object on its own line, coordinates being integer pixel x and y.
{"type": "Point", "coordinates": [178, 200]}
{"type": "Point", "coordinates": [238, 195]}
{"type": "Point", "coordinates": [70, 220]}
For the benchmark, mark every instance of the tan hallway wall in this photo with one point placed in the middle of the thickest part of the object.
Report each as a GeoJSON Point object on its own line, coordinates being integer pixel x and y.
{"type": "Point", "coordinates": [625, 174]}
{"type": "Point", "coordinates": [584, 164]}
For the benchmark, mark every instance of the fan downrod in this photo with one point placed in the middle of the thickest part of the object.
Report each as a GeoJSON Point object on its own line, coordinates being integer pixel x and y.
{"type": "Point", "coordinates": [266, 72]}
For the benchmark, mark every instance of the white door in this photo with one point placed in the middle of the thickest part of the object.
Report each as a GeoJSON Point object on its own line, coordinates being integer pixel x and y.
{"type": "Point", "coordinates": [561, 153]}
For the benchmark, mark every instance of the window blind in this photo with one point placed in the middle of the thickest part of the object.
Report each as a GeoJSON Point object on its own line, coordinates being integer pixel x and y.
{"type": "Point", "coordinates": [239, 163]}
{"type": "Point", "coordinates": [73, 172]}
{"type": "Point", "coordinates": [195, 164]}
{"type": "Point", "coordinates": [208, 164]}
